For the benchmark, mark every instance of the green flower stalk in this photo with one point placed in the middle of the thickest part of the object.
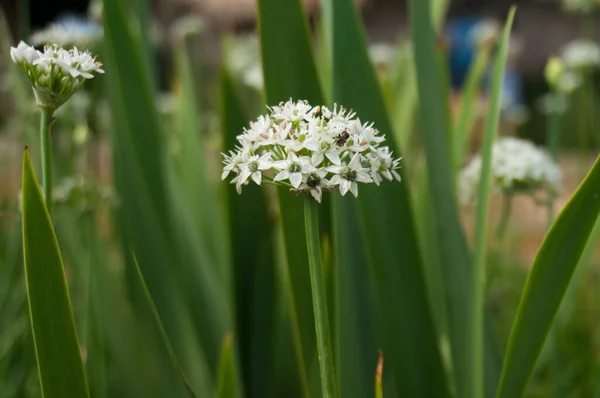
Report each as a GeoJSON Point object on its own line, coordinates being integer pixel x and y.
{"type": "Point", "coordinates": [55, 75]}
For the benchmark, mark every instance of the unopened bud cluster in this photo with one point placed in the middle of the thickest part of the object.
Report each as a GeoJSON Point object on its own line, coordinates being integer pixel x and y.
{"type": "Point", "coordinates": [55, 74]}
{"type": "Point", "coordinates": [310, 150]}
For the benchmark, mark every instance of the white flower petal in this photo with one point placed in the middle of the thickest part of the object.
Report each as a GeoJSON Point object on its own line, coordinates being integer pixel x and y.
{"type": "Point", "coordinates": [296, 179]}
{"type": "Point", "coordinates": [256, 176]}
{"type": "Point", "coordinates": [282, 175]}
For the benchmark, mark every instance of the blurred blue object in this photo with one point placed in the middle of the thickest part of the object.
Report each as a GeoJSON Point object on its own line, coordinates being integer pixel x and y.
{"type": "Point", "coordinates": [461, 48]}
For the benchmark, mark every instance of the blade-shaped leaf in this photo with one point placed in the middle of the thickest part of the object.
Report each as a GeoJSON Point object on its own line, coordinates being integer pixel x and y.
{"type": "Point", "coordinates": [60, 365]}
{"type": "Point", "coordinates": [388, 226]}
{"type": "Point", "coordinates": [547, 282]}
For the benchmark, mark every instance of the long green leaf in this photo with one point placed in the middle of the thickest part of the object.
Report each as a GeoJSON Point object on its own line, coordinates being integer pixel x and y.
{"type": "Point", "coordinates": [290, 72]}
{"type": "Point", "coordinates": [254, 269]}
{"type": "Point", "coordinates": [481, 218]}
{"type": "Point", "coordinates": [547, 282]}
{"type": "Point", "coordinates": [387, 223]}
{"type": "Point", "coordinates": [452, 242]}
{"type": "Point", "coordinates": [357, 314]}
{"type": "Point", "coordinates": [60, 365]}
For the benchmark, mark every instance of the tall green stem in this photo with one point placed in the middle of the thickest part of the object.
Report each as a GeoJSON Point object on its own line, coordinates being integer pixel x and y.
{"type": "Point", "coordinates": [315, 262]}
{"type": "Point", "coordinates": [504, 217]}
{"type": "Point", "coordinates": [552, 143]}
{"type": "Point", "coordinates": [46, 141]}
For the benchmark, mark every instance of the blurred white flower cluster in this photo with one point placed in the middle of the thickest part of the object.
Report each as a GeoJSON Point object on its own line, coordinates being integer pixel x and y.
{"type": "Point", "coordinates": [581, 54]}
{"type": "Point", "coordinates": [243, 57]}
{"type": "Point", "coordinates": [56, 73]}
{"type": "Point", "coordinates": [567, 72]}
{"type": "Point", "coordinates": [72, 31]}
{"type": "Point", "coordinates": [518, 166]}
{"type": "Point", "coordinates": [310, 150]}
{"type": "Point", "coordinates": [579, 6]}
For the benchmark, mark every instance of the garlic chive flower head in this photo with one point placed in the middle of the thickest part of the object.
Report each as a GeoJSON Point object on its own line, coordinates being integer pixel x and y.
{"type": "Point", "coordinates": [310, 150]}
{"type": "Point", "coordinates": [518, 167]}
{"type": "Point", "coordinates": [55, 74]}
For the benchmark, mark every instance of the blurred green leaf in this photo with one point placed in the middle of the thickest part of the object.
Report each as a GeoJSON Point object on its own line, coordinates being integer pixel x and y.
{"type": "Point", "coordinates": [547, 282]}
{"type": "Point", "coordinates": [154, 217]}
{"type": "Point", "coordinates": [290, 72]}
{"type": "Point", "coordinates": [199, 190]}
{"type": "Point", "coordinates": [161, 329]}
{"type": "Point", "coordinates": [357, 337]}
{"type": "Point", "coordinates": [60, 365]}
{"type": "Point", "coordinates": [254, 271]}
{"type": "Point", "coordinates": [388, 226]}
{"type": "Point", "coordinates": [452, 242]}
{"type": "Point", "coordinates": [476, 328]}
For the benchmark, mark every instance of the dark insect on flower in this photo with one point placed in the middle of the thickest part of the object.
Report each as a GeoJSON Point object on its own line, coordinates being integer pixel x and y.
{"type": "Point", "coordinates": [341, 138]}
{"type": "Point", "coordinates": [319, 112]}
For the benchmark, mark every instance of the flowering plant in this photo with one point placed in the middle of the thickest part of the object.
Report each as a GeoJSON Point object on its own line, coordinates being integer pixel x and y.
{"type": "Point", "coordinates": [311, 150]}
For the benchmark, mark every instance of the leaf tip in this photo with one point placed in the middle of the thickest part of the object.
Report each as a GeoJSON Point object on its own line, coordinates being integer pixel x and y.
{"type": "Point", "coordinates": [379, 371]}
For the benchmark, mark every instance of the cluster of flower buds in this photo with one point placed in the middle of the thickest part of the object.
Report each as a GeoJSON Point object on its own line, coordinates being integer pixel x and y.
{"type": "Point", "coordinates": [310, 150]}
{"type": "Point", "coordinates": [518, 166]}
{"type": "Point", "coordinates": [55, 74]}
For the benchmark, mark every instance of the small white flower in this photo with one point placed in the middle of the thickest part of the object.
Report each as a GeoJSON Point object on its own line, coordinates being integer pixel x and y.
{"type": "Point", "coordinates": [292, 169]}
{"type": "Point", "coordinates": [347, 176]}
{"type": "Point", "coordinates": [322, 147]}
{"type": "Point", "coordinates": [315, 183]}
{"type": "Point", "coordinates": [253, 167]}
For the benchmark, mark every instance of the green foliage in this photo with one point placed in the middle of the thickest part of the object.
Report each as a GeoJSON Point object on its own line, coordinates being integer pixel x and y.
{"type": "Point", "coordinates": [56, 345]}
{"type": "Point", "coordinates": [388, 227]}
{"type": "Point", "coordinates": [547, 282]}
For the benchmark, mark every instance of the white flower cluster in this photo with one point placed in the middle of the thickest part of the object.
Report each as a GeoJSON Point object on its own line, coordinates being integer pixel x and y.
{"type": "Point", "coordinates": [518, 166]}
{"type": "Point", "coordinates": [310, 150]}
{"type": "Point", "coordinates": [56, 73]}
{"type": "Point", "coordinates": [70, 31]}
{"type": "Point", "coordinates": [243, 58]}
{"type": "Point", "coordinates": [581, 54]}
